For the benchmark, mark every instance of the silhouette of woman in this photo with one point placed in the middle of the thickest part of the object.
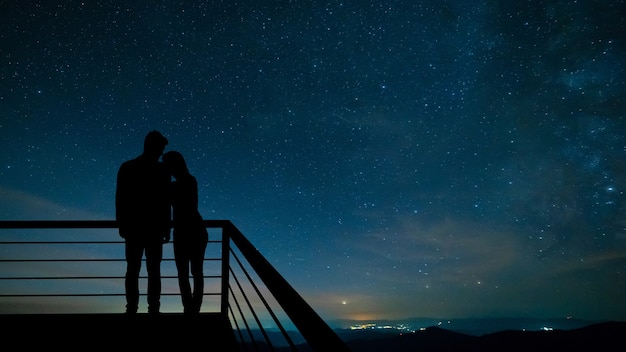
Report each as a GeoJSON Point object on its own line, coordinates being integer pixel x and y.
{"type": "Point", "coordinates": [190, 235]}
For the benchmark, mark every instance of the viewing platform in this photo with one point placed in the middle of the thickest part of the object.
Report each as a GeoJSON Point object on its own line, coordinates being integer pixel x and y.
{"type": "Point", "coordinates": [71, 332]}
{"type": "Point", "coordinates": [249, 305]}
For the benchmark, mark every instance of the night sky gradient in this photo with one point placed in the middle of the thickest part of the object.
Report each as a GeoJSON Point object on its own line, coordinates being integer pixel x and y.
{"type": "Point", "coordinates": [391, 159]}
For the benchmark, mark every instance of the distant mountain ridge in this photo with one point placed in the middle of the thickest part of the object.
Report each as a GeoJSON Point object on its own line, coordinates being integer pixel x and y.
{"type": "Point", "coordinates": [514, 335]}
{"type": "Point", "coordinates": [474, 326]}
{"type": "Point", "coordinates": [608, 336]}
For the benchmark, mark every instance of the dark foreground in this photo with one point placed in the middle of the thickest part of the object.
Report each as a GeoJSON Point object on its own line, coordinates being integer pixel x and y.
{"type": "Point", "coordinates": [98, 332]}
{"type": "Point", "coordinates": [213, 332]}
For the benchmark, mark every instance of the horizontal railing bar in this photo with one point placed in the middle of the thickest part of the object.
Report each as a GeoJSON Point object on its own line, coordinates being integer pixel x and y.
{"type": "Point", "coordinates": [73, 242]}
{"type": "Point", "coordinates": [60, 242]}
{"type": "Point", "coordinates": [91, 277]}
{"type": "Point", "coordinates": [82, 260]}
{"type": "Point", "coordinates": [62, 260]}
{"type": "Point", "coordinates": [92, 294]}
{"type": "Point", "coordinates": [83, 224]}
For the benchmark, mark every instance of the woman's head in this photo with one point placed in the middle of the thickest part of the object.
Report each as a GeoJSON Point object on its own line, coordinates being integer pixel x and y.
{"type": "Point", "coordinates": [175, 164]}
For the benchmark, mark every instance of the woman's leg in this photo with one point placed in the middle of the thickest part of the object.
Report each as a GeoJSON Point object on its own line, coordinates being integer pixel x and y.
{"type": "Point", "coordinates": [197, 271]}
{"type": "Point", "coordinates": [181, 258]}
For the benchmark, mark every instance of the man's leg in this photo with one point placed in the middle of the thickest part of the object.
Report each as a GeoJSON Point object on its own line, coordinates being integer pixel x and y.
{"type": "Point", "coordinates": [154, 255]}
{"type": "Point", "coordinates": [134, 252]}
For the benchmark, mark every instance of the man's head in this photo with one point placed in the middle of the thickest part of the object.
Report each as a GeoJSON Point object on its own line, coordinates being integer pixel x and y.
{"type": "Point", "coordinates": [154, 144]}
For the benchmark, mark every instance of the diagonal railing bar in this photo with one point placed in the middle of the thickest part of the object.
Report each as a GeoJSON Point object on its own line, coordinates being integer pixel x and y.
{"type": "Point", "coordinates": [243, 318]}
{"type": "Point", "coordinates": [237, 328]}
{"type": "Point", "coordinates": [256, 317]}
{"type": "Point", "coordinates": [316, 332]}
{"type": "Point", "coordinates": [267, 306]}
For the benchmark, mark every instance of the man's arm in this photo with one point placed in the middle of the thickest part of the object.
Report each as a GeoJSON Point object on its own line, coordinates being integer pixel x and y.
{"type": "Point", "coordinates": [121, 201]}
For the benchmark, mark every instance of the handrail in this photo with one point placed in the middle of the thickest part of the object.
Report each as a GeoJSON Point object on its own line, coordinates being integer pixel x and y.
{"type": "Point", "coordinates": [318, 335]}
{"type": "Point", "coordinates": [83, 224]}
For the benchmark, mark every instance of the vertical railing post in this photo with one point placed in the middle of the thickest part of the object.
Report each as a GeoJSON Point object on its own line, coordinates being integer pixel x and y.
{"type": "Point", "coordinates": [225, 268]}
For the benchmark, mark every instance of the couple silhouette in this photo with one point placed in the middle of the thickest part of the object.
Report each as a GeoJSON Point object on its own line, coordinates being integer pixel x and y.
{"type": "Point", "coordinates": [148, 204]}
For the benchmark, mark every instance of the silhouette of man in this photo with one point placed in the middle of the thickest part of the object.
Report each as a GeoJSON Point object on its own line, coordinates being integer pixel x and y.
{"type": "Point", "coordinates": [142, 211]}
{"type": "Point", "coordinates": [190, 234]}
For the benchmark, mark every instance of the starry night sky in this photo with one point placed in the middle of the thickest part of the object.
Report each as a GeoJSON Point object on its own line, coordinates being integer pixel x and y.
{"type": "Point", "coordinates": [391, 159]}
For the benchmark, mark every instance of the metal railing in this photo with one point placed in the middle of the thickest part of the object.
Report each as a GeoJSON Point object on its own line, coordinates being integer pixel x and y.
{"type": "Point", "coordinates": [254, 297]}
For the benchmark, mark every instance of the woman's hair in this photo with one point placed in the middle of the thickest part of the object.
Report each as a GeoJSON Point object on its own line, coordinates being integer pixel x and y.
{"type": "Point", "coordinates": [175, 162]}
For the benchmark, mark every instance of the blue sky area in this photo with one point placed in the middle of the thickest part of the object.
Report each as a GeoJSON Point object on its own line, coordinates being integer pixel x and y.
{"type": "Point", "coordinates": [391, 159]}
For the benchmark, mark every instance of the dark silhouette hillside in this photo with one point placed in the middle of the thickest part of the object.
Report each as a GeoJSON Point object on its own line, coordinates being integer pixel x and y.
{"type": "Point", "coordinates": [610, 336]}
{"type": "Point", "coordinates": [80, 332]}
{"type": "Point", "coordinates": [431, 339]}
